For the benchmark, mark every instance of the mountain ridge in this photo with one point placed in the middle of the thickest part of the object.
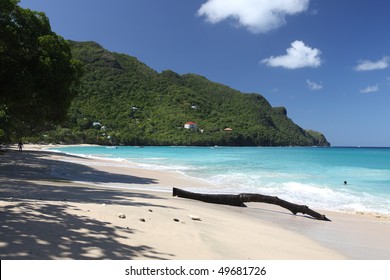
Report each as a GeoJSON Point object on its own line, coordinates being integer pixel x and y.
{"type": "Point", "coordinates": [136, 105]}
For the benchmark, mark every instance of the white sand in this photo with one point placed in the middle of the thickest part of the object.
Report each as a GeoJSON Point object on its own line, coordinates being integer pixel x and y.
{"type": "Point", "coordinates": [46, 215]}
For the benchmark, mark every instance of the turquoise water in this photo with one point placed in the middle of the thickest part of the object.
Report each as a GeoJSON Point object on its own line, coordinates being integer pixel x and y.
{"type": "Point", "coordinates": [311, 176]}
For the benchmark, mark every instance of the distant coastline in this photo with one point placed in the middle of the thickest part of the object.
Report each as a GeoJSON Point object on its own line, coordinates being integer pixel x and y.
{"type": "Point", "coordinates": [362, 147]}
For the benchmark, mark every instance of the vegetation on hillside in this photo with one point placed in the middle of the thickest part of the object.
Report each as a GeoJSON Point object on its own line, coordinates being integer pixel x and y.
{"type": "Point", "coordinates": [122, 101]}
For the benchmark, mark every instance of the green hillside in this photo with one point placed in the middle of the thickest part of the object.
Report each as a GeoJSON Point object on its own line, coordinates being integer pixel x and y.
{"type": "Point", "coordinates": [124, 102]}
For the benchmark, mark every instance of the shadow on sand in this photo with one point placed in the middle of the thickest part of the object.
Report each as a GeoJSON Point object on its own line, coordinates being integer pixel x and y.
{"type": "Point", "coordinates": [34, 227]}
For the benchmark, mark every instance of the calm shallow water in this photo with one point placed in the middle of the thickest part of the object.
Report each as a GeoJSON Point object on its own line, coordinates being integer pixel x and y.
{"type": "Point", "coordinates": [304, 175]}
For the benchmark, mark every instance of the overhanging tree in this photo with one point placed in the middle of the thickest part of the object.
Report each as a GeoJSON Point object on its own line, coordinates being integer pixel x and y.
{"type": "Point", "coordinates": [38, 76]}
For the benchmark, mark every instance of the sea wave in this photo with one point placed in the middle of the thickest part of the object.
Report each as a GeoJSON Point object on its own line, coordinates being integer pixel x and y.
{"type": "Point", "coordinates": [315, 196]}
{"type": "Point", "coordinates": [309, 180]}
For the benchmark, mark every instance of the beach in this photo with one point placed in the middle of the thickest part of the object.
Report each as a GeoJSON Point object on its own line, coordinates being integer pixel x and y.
{"type": "Point", "coordinates": [57, 206]}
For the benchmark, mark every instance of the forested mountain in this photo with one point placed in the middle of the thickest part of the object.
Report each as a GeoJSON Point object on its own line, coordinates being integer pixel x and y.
{"type": "Point", "coordinates": [122, 101]}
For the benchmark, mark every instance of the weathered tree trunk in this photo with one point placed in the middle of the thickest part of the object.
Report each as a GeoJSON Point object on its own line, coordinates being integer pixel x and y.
{"type": "Point", "coordinates": [240, 199]}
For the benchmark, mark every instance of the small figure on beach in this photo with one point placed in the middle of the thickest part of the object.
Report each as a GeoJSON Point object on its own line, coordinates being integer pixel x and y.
{"type": "Point", "coordinates": [2, 151]}
{"type": "Point", "coordinates": [345, 182]}
{"type": "Point", "coordinates": [20, 145]}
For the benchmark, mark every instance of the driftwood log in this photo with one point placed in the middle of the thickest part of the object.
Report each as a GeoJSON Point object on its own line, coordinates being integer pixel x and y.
{"type": "Point", "coordinates": [240, 199]}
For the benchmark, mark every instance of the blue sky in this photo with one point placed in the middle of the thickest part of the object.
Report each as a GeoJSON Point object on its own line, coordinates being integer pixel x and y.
{"type": "Point", "coordinates": [327, 62]}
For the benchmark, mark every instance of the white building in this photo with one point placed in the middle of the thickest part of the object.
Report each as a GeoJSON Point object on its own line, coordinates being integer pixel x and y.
{"type": "Point", "coordinates": [190, 125]}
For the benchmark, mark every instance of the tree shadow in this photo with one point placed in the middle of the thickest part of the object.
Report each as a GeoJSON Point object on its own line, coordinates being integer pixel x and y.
{"type": "Point", "coordinates": [47, 231]}
{"type": "Point", "coordinates": [27, 164]}
{"type": "Point", "coordinates": [38, 223]}
{"type": "Point", "coordinates": [21, 173]}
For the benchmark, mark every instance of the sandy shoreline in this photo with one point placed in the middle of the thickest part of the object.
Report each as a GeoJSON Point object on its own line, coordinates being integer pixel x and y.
{"type": "Point", "coordinates": [55, 206]}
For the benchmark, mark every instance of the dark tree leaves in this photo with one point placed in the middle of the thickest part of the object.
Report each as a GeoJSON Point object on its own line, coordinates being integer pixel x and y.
{"type": "Point", "coordinates": [37, 72]}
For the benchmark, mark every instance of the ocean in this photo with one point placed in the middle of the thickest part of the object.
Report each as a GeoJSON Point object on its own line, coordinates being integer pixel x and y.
{"type": "Point", "coordinates": [312, 176]}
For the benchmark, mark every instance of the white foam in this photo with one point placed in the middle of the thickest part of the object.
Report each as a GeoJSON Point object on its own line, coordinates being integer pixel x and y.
{"type": "Point", "coordinates": [315, 196]}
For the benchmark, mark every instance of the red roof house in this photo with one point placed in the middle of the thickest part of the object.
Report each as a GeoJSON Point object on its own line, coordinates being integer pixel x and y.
{"type": "Point", "coordinates": [190, 125]}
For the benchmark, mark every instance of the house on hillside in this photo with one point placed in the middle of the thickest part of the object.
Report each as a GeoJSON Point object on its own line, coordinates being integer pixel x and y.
{"type": "Point", "coordinates": [190, 125]}
{"type": "Point", "coordinates": [228, 129]}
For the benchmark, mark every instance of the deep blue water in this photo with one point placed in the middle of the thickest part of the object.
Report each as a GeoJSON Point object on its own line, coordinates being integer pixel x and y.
{"type": "Point", "coordinates": [305, 175]}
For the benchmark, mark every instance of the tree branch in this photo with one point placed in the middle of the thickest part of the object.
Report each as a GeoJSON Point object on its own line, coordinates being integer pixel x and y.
{"type": "Point", "coordinates": [240, 199]}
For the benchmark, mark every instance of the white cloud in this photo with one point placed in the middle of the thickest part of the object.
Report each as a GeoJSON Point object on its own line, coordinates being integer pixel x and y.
{"type": "Point", "coordinates": [298, 56]}
{"type": "Point", "coordinates": [313, 86]}
{"type": "Point", "coordinates": [258, 16]}
{"type": "Point", "coordinates": [367, 65]}
{"type": "Point", "coordinates": [370, 89]}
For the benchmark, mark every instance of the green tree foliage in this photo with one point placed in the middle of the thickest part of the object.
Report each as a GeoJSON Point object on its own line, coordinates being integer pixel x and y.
{"type": "Point", "coordinates": [37, 72]}
{"type": "Point", "coordinates": [135, 105]}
